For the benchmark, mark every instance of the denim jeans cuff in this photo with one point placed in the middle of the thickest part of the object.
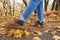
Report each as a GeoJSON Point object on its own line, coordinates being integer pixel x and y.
{"type": "Point", "coordinates": [22, 18]}
{"type": "Point", "coordinates": [41, 21]}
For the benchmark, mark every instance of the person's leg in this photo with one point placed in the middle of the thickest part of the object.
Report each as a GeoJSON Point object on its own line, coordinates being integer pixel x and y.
{"type": "Point", "coordinates": [30, 7]}
{"type": "Point", "coordinates": [27, 12]}
{"type": "Point", "coordinates": [40, 12]}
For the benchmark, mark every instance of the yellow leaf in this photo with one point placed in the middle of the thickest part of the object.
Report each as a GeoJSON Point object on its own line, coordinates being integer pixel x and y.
{"type": "Point", "coordinates": [36, 38]}
{"type": "Point", "coordinates": [27, 33]}
{"type": "Point", "coordinates": [3, 31]}
{"type": "Point", "coordinates": [58, 30]}
{"type": "Point", "coordinates": [56, 37]}
{"type": "Point", "coordinates": [11, 32]}
{"type": "Point", "coordinates": [58, 27]}
{"type": "Point", "coordinates": [0, 20]}
{"type": "Point", "coordinates": [18, 33]}
{"type": "Point", "coordinates": [53, 32]}
{"type": "Point", "coordinates": [38, 33]}
{"type": "Point", "coordinates": [47, 31]}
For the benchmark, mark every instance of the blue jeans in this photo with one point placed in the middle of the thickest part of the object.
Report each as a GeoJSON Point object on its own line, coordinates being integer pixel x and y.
{"type": "Point", "coordinates": [33, 5]}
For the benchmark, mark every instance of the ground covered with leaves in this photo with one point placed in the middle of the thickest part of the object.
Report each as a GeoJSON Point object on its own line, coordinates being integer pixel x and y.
{"type": "Point", "coordinates": [50, 31]}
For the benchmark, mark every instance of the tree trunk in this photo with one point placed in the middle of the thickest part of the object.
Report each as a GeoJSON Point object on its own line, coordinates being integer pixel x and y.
{"type": "Point", "coordinates": [46, 4]}
{"type": "Point", "coordinates": [4, 6]}
{"type": "Point", "coordinates": [13, 7]}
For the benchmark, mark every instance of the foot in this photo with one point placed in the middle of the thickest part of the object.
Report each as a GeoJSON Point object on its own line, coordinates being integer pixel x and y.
{"type": "Point", "coordinates": [17, 22]}
{"type": "Point", "coordinates": [37, 23]}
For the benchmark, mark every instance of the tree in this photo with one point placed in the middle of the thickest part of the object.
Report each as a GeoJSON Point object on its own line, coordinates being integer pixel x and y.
{"type": "Point", "coordinates": [46, 4]}
{"type": "Point", "coordinates": [13, 6]}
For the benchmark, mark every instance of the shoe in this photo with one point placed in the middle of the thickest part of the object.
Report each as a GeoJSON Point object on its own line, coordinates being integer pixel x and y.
{"type": "Point", "coordinates": [37, 23]}
{"type": "Point", "coordinates": [20, 22]}
{"type": "Point", "coordinates": [17, 22]}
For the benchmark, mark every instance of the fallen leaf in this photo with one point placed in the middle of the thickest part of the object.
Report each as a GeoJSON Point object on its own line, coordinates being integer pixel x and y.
{"type": "Point", "coordinates": [27, 33]}
{"type": "Point", "coordinates": [11, 32]}
{"type": "Point", "coordinates": [58, 27]}
{"type": "Point", "coordinates": [18, 33]}
{"type": "Point", "coordinates": [47, 31]}
{"type": "Point", "coordinates": [0, 20]}
{"type": "Point", "coordinates": [37, 33]}
{"type": "Point", "coordinates": [3, 31]}
{"type": "Point", "coordinates": [54, 32]}
{"type": "Point", "coordinates": [36, 38]}
{"type": "Point", "coordinates": [56, 37]}
{"type": "Point", "coordinates": [58, 30]}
